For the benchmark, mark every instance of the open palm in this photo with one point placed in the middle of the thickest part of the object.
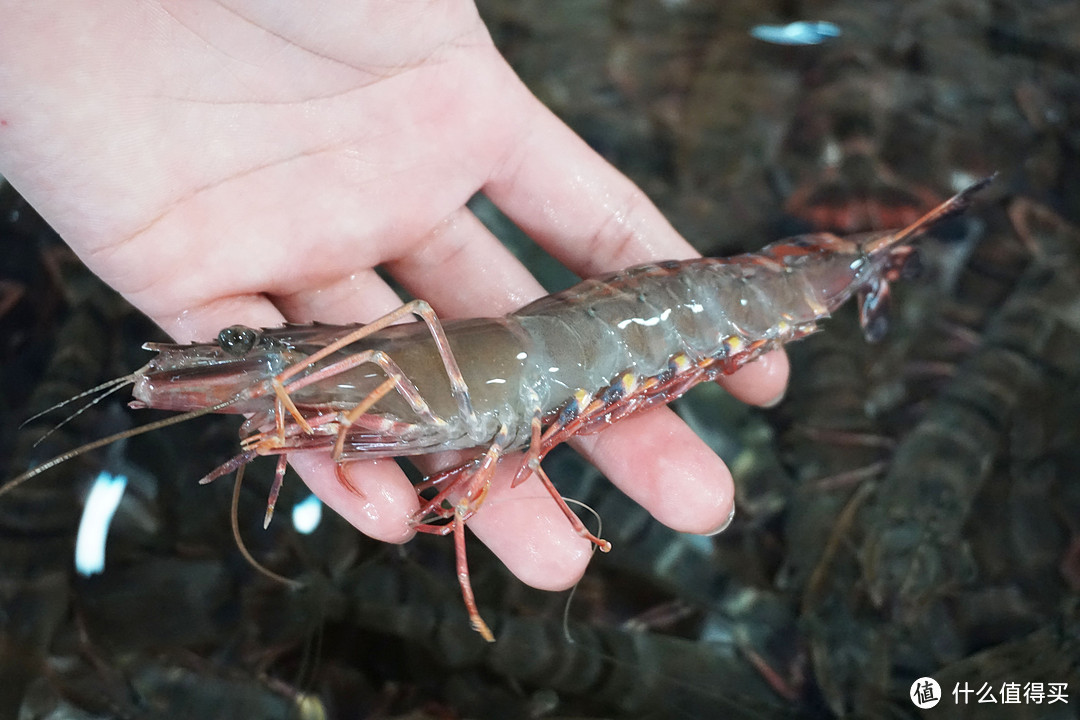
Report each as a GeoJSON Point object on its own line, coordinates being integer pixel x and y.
{"type": "Point", "coordinates": [253, 162]}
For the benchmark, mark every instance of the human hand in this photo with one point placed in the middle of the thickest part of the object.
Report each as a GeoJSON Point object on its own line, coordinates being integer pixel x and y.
{"type": "Point", "coordinates": [253, 162]}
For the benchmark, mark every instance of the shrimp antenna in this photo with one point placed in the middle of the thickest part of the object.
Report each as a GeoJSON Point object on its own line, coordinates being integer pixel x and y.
{"type": "Point", "coordinates": [956, 204]}
{"type": "Point", "coordinates": [573, 590]}
{"type": "Point", "coordinates": [234, 519]}
{"type": "Point", "coordinates": [127, 381]}
{"type": "Point", "coordinates": [115, 384]}
{"type": "Point", "coordinates": [83, 449]}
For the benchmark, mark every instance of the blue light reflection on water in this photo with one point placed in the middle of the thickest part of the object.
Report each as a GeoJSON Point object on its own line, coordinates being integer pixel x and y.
{"type": "Point", "coordinates": [307, 514]}
{"type": "Point", "coordinates": [101, 503]}
{"type": "Point", "coordinates": [796, 33]}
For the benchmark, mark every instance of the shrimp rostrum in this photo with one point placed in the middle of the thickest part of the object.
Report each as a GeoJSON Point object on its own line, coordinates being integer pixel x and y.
{"type": "Point", "coordinates": [569, 363]}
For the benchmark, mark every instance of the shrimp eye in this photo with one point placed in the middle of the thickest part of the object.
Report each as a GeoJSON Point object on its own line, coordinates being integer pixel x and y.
{"type": "Point", "coordinates": [238, 340]}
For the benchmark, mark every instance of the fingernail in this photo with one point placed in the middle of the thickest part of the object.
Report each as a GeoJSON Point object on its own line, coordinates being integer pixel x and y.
{"type": "Point", "coordinates": [776, 400]}
{"type": "Point", "coordinates": [724, 525]}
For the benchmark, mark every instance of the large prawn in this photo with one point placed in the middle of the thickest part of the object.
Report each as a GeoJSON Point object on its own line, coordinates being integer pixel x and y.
{"type": "Point", "coordinates": [570, 363]}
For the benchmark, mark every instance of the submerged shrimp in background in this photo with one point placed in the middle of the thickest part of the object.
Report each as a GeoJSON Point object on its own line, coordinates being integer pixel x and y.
{"type": "Point", "coordinates": [570, 363]}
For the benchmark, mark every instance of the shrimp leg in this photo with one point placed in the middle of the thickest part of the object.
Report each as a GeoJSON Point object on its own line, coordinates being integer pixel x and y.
{"type": "Point", "coordinates": [477, 485]}
{"type": "Point", "coordinates": [419, 308]}
{"type": "Point", "coordinates": [466, 474]}
{"type": "Point", "coordinates": [396, 380]}
{"type": "Point", "coordinates": [626, 396]}
{"type": "Point", "coordinates": [584, 414]}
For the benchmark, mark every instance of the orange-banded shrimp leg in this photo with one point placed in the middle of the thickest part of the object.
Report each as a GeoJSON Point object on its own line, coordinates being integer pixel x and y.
{"type": "Point", "coordinates": [419, 308]}
{"type": "Point", "coordinates": [477, 485]}
{"type": "Point", "coordinates": [454, 476]}
{"type": "Point", "coordinates": [530, 463]}
{"type": "Point", "coordinates": [396, 380]}
{"type": "Point", "coordinates": [627, 395]}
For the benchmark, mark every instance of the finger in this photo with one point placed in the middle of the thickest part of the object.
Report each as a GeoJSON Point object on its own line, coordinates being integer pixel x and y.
{"type": "Point", "coordinates": [382, 504]}
{"type": "Point", "coordinates": [529, 533]}
{"type": "Point", "coordinates": [463, 270]}
{"type": "Point", "coordinates": [571, 201]}
{"type": "Point", "coordinates": [385, 499]}
{"type": "Point", "coordinates": [762, 382]}
{"type": "Point", "coordinates": [459, 267]}
{"type": "Point", "coordinates": [592, 218]}
{"type": "Point", "coordinates": [660, 463]}
{"type": "Point", "coordinates": [202, 324]}
{"type": "Point", "coordinates": [523, 526]}
{"type": "Point", "coordinates": [695, 497]}
{"type": "Point", "coordinates": [358, 297]}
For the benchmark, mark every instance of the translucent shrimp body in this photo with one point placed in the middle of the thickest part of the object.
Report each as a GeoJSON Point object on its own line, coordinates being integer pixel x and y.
{"type": "Point", "coordinates": [718, 313]}
{"type": "Point", "coordinates": [711, 311]}
{"type": "Point", "coordinates": [569, 363]}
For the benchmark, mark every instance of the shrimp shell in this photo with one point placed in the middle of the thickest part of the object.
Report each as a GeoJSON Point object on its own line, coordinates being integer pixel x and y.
{"type": "Point", "coordinates": [569, 363]}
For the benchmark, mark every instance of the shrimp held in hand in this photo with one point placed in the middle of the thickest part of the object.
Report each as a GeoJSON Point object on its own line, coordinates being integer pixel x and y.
{"type": "Point", "coordinates": [568, 364]}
